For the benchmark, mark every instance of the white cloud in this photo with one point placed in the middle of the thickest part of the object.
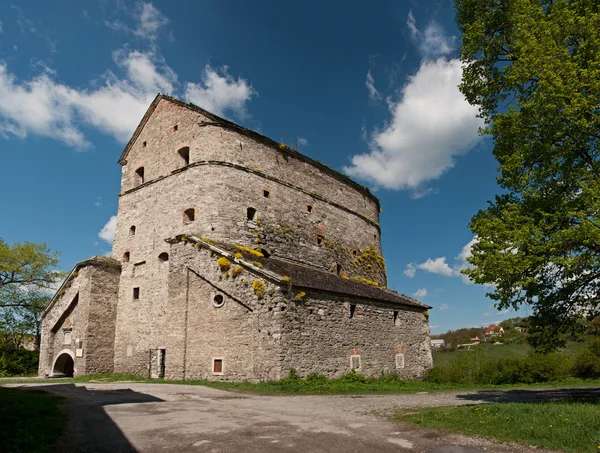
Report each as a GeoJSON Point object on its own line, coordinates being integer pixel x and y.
{"type": "Point", "coordinates": [444, 307]}
{"type": "Point", "coordinates": [150, 21]}
{"type": "Point", "coordinates": [220, 93]}
{"type": "Point", "coordinates": [374, 95]}
{"type": "Point", "coordinates": [43, 106]}
{"type": "Point", "coordinates": [302, 141]}
{"type": "Point", "coordinates": [430, 125]}
{"type": "Point", "coordinates": [433, 42]}
{"type": "Point", "coordinates": [436, 266]}
{"type": "Point", "coordinates": [441, 267]}
{"type": "Point", "coordinates": [108, 231]}
{"type": "Point", "coordinates": [420, 293]}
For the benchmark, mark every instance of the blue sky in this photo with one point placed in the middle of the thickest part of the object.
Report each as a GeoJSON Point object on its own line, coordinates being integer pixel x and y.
{"type": "Point", "coordinates": [370, 89]}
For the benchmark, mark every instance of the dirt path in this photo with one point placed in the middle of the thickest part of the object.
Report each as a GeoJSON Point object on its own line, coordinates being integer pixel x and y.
{"type": "Point", "coordinates": [127, 417]}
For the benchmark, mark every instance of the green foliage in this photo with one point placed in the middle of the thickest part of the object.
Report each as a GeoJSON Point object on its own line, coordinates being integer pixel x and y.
{"type": "Point", "coordinates": [565, 426]}
{"type": "Point", "coordinates": [18, 362]}
{"type": "Point", "coordinates": [30, 421]}
{"type": "Point", "coordinates": [533, 68]}
{"type": "Point", "coordinates": [587, 361]}
{"type": "Point", "coordinates": [470, 368]}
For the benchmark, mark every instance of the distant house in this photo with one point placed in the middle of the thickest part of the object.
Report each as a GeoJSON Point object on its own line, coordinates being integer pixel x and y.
{"type": "Point", "coordinates": [475, 340]}
{"type": "Point", "coordinates": [521, 329]}
{"type": "Point", "coordinates": [494, 331]}
{"type": "Point", "coordinates": [438, 344]}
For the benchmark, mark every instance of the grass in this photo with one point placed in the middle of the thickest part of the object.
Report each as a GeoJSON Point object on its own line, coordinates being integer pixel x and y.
{"type": "Point", "coordinates": [569, 426]}
{"type": "Point", "coordinates": [490, 352]}
{"type": "Point", "coordinates": [30, 421]}
{"type": "Point", "coordinates": [319, 385]}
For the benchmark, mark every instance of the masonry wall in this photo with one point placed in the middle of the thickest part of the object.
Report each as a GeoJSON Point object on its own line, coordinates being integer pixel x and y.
{"type": "Point", "coordinates": [244, 332]}
{"type": "Point", "coordinates": [99, 340]}
{"type": "Point", "coordinates": [66, 316]}
{"type": "Point", "coordinates": [320, 335]}
{"type": "Point", "coordinates": [224, 179]}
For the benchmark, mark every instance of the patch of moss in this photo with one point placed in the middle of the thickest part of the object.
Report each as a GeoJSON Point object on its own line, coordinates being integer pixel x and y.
{"type": "Point", "coordinates": [257, 264]}
{"type": "Point", "coordinates": [224, 264]}
{"type": "Point", "coordinates": [249, 251]}
{"type": "Point", "coordinates": [365, 281]}
{"type": "Point", "coordinates": [259, 288]}
{"type": "Point", "coordinates": [298, 297]}
{"type": "Point", "coordinates": [287, 279]}
{"type": "Point", "coordinates": [210, 241]}
{"type": "Point", "coordinates": [238, 256]}
{"type": "Point", "coordinates": [235, 271]}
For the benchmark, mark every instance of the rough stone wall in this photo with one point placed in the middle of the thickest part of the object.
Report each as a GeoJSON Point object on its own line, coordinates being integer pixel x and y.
{"type": "Point", "coordinates": [99, 341]}
{"type": "Point", "coordinates": [61, 317]}
{"type": "Point", "coordinates": [244, 332]}
{"type": "Point", "coordinates": [319, 335]}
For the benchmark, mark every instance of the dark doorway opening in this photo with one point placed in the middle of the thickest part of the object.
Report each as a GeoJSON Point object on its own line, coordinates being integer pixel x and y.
{"type": "Point", "coordinates": [64, 366]}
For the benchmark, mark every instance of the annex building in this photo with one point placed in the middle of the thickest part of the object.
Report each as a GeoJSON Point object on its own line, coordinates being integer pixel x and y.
{"type": "Point", "coordinates": [235, 258]}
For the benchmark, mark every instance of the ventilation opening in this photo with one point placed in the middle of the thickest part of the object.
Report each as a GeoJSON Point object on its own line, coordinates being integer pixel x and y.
{"type": "Point", "coordinates": [218, 300]}
{"type": "Point", "coordinates": [189, 215]}
{"type": "Point", "coordinates": [395, 316]}
{"type": "Point", "coordinates": [338, 269]}
{"type": "Point", "coordinates": [251, 214]}
{"type": "Point", "coordinates": [319, 240]}
{"type": "Point", "coordinates": [140, 175]}
{"type": "Point", "coordinates": [175, 128]}
{"type": "Point", "coordinates": [352, 310]}
{"type": "Point", "coordinates": [136, 293]}
{"type": "Point", "coordinates": [163, 257]}
{"type": "Point", "coordinates": [132, 230]}
{"type": "Point", "coordinates": [217, 366]}
{"type": "Point", "coordinates": [266, 193]}
{"type": "Point", "coordinates": [184, 153]}
{"type": "Point", "coordinates": [126, 257]}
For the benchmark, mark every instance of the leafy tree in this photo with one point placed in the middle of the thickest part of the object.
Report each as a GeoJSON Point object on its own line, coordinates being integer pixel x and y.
{"type": "Point", "coordinates": [25, 267]}
{"type": "Point", "coordinates": [18, 324]}
{"type": "Point", "coordinates": [533, 68]}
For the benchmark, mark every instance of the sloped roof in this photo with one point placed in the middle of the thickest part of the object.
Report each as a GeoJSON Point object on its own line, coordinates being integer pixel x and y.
{"type": "Point", "coordinates": [306, 277]}
{"type": "Point", "coordinates": [249, 133]}
{"type": "Point", "coordinates": [93, 261]}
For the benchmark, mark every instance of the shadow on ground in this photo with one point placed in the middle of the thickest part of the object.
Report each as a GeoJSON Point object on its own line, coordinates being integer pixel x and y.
{"type": "Point", "coordinates": [90, 428]}
{"type": "Point", "coordinates": [588, 395]}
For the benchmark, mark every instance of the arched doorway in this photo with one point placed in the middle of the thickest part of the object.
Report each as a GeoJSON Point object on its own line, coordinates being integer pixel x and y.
{"type": "Point", "coordinates": [63, 366]}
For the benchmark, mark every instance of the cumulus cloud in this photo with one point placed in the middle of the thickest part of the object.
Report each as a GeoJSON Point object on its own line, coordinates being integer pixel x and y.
{"type": "Point", "coordinates": [149, 21]}
{"type": "Point", "coordinates": [113, 105]}
{"type": "Point", "coordinates": [430, 124]}
{"type": "Point", "coordinates": [420, 293]}
{"type": "Point", "coordinates": [374, 95]}
{"type": "Point", "coordinates": [302, 141]}
{"type": "Point", "coordinates": [444, 307]}
{"type": "Point", "coordinates": [221, 93]}
{"type": "Point", "coordinates": [108, 231]}
{"type": "Point", "coordinates": [441, 267]}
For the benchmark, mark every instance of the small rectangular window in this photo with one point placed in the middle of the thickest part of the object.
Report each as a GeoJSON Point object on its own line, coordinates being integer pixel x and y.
{"type": "Point", "coordinates": [67, 338]}
{"type": "Point", "coordinates": [136, 293]}
{"type": "Point", "coordinates": [266, 193]}
{"type": "Point", "coordinates": [218, 366]}
{"type": "Point", "coordinates": [355, 362]}
{"type": "Point", "coordinates": [400, 360]}
{"type": "Point", "coordinates": [144, 143]}
{"type": "Point", "coordinates": [175, 128]}
{"type": "Point", "coordinates": [395, 317]}
{"type": "Point", "coordinates": [309, 208]}
{"type": "Point", "coordinates": [352, 310]}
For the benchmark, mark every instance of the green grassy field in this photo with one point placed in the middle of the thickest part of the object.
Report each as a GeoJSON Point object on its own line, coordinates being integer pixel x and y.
{"type": "Point", "coordinates": [569, 426]}
{"type": "Point", "coordinates": [349, 384]}
{"type": "Point", "coordinates": [492, 352]}
{"type": "Point", "coordinates": [30, 421]}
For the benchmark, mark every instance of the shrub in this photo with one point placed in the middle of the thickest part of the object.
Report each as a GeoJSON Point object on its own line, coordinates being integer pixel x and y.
{"type": "Point", "coordinates": [587, 361]}
{"type": "Point", "coordinates": [18, 362]}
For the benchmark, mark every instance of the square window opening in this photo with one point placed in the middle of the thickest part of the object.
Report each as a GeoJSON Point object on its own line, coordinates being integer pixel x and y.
{"type": "Point", "coordinates": [266, 193]}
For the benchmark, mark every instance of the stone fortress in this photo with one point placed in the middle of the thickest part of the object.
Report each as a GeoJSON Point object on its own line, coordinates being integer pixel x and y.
{"type": "Point", "coordinates": [235, 258]}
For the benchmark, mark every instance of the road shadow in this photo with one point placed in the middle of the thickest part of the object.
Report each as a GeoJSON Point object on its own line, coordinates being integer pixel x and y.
{"type": "Point", "coordinates": [90, 428]}
{"type": "Point", "coordinates": [587, 395]}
